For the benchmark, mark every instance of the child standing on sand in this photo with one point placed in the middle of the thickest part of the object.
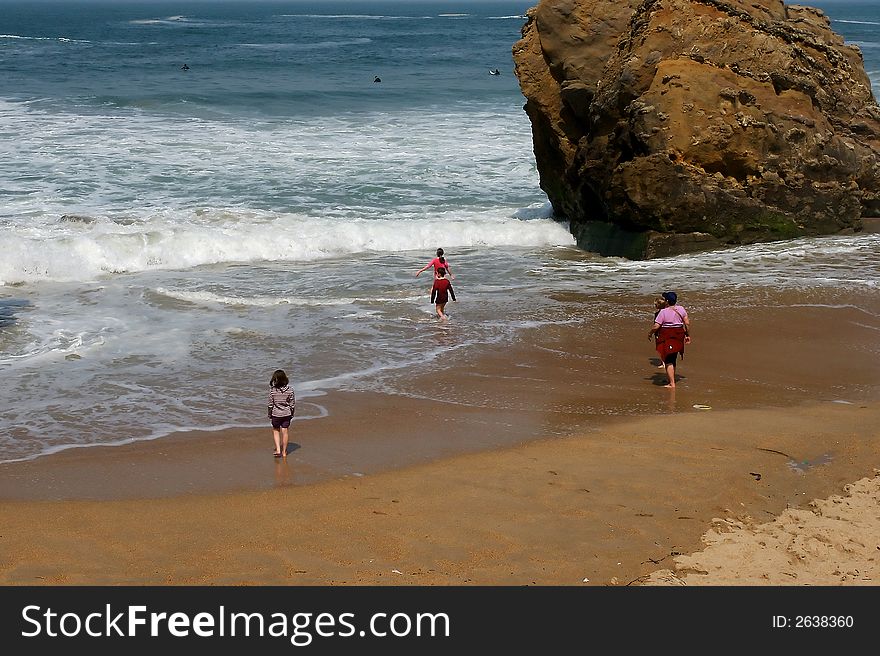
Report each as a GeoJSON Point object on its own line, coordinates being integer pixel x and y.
{"type": "Point", "coordinates": [282, 405]}
{"type": "Point", "coordinates": [440, 293]}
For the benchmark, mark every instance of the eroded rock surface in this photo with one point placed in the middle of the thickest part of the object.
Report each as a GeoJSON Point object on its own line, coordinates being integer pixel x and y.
{"type": "Point", "coordinates": [666, 126]}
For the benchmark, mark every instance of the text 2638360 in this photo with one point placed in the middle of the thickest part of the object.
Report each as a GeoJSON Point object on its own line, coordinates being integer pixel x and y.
{"type": "Point", "coordinates": [813, 622]}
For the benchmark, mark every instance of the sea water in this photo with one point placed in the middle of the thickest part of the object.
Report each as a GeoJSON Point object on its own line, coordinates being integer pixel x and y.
{"type": "Point", "coordinates": [195, 194]}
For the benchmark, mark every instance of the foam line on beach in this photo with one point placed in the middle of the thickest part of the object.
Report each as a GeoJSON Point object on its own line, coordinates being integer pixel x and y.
{"type": "Point", "coordinates": [210, 298]}
{"type": "Point", "coordinates": [320, 412]}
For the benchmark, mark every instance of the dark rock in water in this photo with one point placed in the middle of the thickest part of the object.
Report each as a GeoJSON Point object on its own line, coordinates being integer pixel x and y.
{"type": "Point", "coordinates": [667, 126]}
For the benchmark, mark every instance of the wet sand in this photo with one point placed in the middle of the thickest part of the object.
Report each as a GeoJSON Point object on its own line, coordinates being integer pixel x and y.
{"type": "Point", "coordinates": [554, 461]}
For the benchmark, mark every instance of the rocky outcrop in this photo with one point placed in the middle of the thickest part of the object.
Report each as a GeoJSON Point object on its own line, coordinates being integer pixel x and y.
{"type": "Point", "coordinates": [666, 126]}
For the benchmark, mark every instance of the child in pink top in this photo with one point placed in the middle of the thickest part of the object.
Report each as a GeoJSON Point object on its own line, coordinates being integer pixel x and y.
{"type": "Point", "coordinates": [437, 263]}
{"type": "Point", "coordinates": [671, 331]}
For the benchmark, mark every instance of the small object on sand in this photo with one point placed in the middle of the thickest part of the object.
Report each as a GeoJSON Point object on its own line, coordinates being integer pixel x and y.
{"type": "Point", "coordinates": [700, 406]}
{"type": "Point", "coordinates": [756, 475]}
{"type": "Point", "coordinates": [397, 571]}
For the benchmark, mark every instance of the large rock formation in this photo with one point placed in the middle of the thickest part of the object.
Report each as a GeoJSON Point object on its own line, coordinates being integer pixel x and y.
{"type": "Point", "coordinates": [666, 126]}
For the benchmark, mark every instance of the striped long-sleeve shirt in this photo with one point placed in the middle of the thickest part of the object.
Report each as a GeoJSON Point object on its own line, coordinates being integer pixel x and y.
{"type": "Point", "coordinates": [282, 401]}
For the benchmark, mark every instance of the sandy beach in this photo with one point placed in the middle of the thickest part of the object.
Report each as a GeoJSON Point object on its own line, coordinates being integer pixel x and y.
{"type": "Point", "coordinates": [561, 461]}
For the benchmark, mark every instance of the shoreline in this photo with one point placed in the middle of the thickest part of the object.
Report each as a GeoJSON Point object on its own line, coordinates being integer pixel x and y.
{"type": "Point", "coordinates": [554, 382]}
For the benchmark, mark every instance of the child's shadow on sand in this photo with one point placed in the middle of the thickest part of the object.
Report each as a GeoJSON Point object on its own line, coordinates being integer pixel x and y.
{"type": "Point", "coordinates": [291, 447]}
{"type": "Point", "coordinates": [659, 376]}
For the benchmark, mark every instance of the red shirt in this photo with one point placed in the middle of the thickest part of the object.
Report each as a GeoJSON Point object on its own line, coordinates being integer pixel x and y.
{"type": "Point", "coordinates": [441, 291]}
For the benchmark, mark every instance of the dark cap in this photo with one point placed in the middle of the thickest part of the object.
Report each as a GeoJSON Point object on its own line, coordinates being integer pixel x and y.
{"type": "Point", "coordinates": [671, 297]}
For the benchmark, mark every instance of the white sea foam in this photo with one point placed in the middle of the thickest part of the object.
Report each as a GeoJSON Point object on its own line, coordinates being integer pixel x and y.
{"type": "Point", "coordinates": [359, 161]}
{"type": "Point", "coordinates": [184, 22]}
{"type": "Point", "coordinates": [62, 39]}
{"type": "Point", "coordinates": [208, 298]}
{"type": "Point", "coordinates": [352, 16]}
{"type": "Point", "coordinates": [854, 22]}
{"type": "Point", "coordinates": [87, 251]}
{"type": "Point", "coordinates": [845, 262]}
{"type": "Point", "coordinates": [307, 46]}
{"type": "Point", "coordinates": [159, 21]}
{"type": "Point", "coordinates": [363, 183]}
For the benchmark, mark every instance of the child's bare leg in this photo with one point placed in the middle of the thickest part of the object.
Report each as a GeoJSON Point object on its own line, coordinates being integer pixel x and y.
{"type": "Point", "coordinates": [285, 438]}
{"type": "Point", "coordinates": [670, 374]}
{"type": "Point", "coordinates": [441, 310]}
{"type": "Point", "coordinates": [276, 436]}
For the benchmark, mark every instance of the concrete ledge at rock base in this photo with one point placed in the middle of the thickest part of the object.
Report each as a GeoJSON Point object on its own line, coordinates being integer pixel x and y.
{"type": "Point", "coordinates": [611, 240]}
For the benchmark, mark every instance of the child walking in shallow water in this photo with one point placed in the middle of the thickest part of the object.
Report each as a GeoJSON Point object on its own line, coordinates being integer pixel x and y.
{"type": "Point", "coordinates": [282, 405]}
{"type": "Point", "coordinates": [671, 332]}
{"type": "Point", "coordinates": [440, 293]}
{"type": "Point", "coordinates": [437, 262]}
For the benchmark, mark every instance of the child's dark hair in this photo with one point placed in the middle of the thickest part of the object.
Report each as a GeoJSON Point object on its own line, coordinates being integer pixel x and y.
{"type": "Point", "coordinates": [442, 259]}
{"type": "Point", "coordinates": [441, 271]}
{"type": "Point", "coordinates": [439, 252]}
{"type": "Point", "coordinates": [279, 379]}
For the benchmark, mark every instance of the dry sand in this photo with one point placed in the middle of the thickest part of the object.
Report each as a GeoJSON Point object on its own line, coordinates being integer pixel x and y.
{"type": "Point", "coordinates": [833, 541]}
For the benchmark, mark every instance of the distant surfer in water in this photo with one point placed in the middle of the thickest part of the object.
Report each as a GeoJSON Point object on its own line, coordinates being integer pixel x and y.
{"type": "Point", "coordinates": [377, 79]}
{"type": "Point", "coordinates": [494, 71]}
{"type": "Point", "coordinates": [184, 67]}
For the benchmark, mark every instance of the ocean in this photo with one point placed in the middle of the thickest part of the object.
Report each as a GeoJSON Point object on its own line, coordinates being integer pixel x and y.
{"type": "Point", "coordinates": [195, 194]}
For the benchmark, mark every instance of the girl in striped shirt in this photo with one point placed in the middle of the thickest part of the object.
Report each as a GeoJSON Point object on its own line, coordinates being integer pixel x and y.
{"type": "Point", "coordinates": [282, 405]}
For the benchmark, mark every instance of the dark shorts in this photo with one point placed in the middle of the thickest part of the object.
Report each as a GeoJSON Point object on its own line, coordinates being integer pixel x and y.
{"type": "Point", "coordinates": [671, 358]}
{"type": "Point", "coordinates": [281, 422]}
